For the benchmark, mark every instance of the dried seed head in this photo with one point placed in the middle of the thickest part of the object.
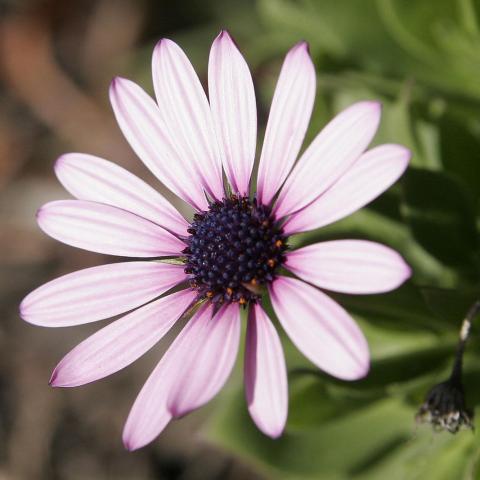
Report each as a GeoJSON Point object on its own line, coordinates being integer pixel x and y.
{"type": "Point", "coordinates": [445, 408]}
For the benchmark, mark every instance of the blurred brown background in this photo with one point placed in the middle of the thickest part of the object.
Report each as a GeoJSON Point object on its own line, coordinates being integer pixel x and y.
{"type": "Point", "coordinates": [421, 59]}
{"type": "Point", "coordinates": [57, 59]}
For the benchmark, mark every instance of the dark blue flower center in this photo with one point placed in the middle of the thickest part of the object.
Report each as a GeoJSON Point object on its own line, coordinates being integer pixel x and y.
{"type": "Point", "coordinates": [234, 249]}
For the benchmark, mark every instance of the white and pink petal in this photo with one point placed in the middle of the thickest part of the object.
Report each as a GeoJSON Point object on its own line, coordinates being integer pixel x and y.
{"type": "Point", "coordinates": [266, 385]}
{"type": "Point", "coordinates": [186, 114]}
{"type": "Point", "coordinates": [122, 342]}
{"type": "Point", "coordinates": [104, 229]}
{"type": "Point", "coordinates": [232, 100]}
{"type": "Point", "coordinates": [94, 179]}
{"type": "Point", "coordinates": [329, 156]}
{"type": "Point", "coordinates": [191, 372]}
{"type": "Point", "coordinates": [142, 124]}
{"type": "Point", "coordinates": [99, 292]}
{"type": "Point", "coordinates": [373, 173]}
{"type": "Point", "coordinates": [349, 266]}
{"type": "Point", "coordinates": [290, 113]}
{"type": "Point", "coordinates": [320, 328]}
{"type": "Point", "coordinates": [207, 361]}
{"type": "Point", "coordinates": [150, 414]}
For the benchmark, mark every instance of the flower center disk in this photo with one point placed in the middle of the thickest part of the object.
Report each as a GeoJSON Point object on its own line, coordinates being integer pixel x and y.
{"type": "Point", "coordinates": [234, 249]}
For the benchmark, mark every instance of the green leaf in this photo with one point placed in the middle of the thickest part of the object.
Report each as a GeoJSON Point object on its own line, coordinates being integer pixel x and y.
{"type": "Point", "coordinates": [450, 305]}
{"type": "Point", "coordinates": [442, 218]}
{"type": "Point", "coordinates": [460, 151]}
{"type": "Point", "coordinates": [297, 454]}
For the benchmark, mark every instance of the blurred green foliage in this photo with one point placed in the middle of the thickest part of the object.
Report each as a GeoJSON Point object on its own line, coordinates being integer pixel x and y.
{"type": "Point", "coordinates": [422, 59]}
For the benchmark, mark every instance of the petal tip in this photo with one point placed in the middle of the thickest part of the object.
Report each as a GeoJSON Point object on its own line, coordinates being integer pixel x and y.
{"type": "Point", "coordinates": [273, 432]}
{"type": "Point", "coordinates": [399, 153]}
{"type": "Point", "coordinates": [364, 371]}
{"type": "Point", "coordinates": [27, 310]}
{"type": "Point", "coordinates": [159, 43]}
{"type": "Point", "coordinates": [41, 217]}
{"type": "Point", "coordinates": [363, 368]}
{"type": "Point", "coordinates": [113, 89]}
{"type": "Point", "coordinates": [57, 380]}
{"type": "Point", "coordinates": [53, 379]}
{"type": "Point", "coordinates": [302, 45]}
{"type": "Point", "coordinates": [114, 82]}
{"type": "Point", "coordinates": [371, 111]}
{"type": "Point", "coordinates": [61, 162]}
{"type": "Point", "coordinates": [269, 426]}
{"type": "Point", "coordinates": [39, 214]}
{"type": "Point", "coordinates": [62, 158]}
{"type": "Point", "coordinates": [358, 373]}
{"type": "Point", "coordinates": [301, 51]}
{"type": "Point", "coordinates": [404, 272]}
{"type": "Point", "coordinates": [23, 309]}
{"type": "Point", "coordinates": [407, 272]}
{"type": "Point", "coordinates": [224, 34]}
{"type": "Point", "coordinates": [131, 444]}
{"type": "Point", "coordinates": [225, 37]}
{"type": "Point", "coordinates": [367, 107]}
{"type": "Point", "coordinates": [375, 105]}
{"type": "Point", "coordinates": [162, 44]}
{"type": "Point", "coordinates": [407, 154]}
{"type": "Point", "coordinates": [276, 434]}
{"type": "Point", "coordinates": [117, 82]}
{"type": "Point", "coordinates": [128, 445]}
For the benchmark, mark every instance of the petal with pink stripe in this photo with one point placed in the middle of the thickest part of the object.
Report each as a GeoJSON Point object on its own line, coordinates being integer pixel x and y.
{"type": "Point", "coordinates": [104, 229]}
{"type": "Point", "coordinates": [349, 266]}
{"type": "Point", "coordinates": [232, 99]}
{"type": "Point", "coordinates": [373, 173]}
{"type": "Point", "coordinates": [190, 373]}
{"type": "Point", "coordinates": [320, 328]}
{"type": "Point", "coordinates": [99, 292]}
{"type": "Point", "coordinates": [266, 386]}
{"type": "Point", "coordinates": [287, 122]}
{"type": "Point", "coordinates": [330, 155]}
{"type": "Point", "coordinates": [94, 179]}
{"type": "Point", "coordinates": [207, 358]}
{"type": "Point", "coordinates": [186, 114]}
{"type": "Point", "coordinates": [122, 342]}
{"type": "Point", "coordinates": [142, 124]}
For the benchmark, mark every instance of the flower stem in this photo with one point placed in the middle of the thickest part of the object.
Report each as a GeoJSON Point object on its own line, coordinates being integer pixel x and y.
{"type": "Point", "coordinates": [456, 375]}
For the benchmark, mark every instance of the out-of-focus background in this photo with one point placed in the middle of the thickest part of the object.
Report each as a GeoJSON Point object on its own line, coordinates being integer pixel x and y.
{"type": "Point", "coordinates": [422, 59]}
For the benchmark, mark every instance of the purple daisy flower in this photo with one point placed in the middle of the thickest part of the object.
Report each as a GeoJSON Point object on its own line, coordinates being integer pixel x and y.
{"type": "Point", "coordinates": [233, 252]}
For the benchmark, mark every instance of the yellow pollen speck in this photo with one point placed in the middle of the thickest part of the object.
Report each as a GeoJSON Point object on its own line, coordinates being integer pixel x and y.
{"type": "Point", "coordinates": [278, 243]}
{"type": "Point", "coordinates": [229, 291]}
{"type": "Point", "coordinates": [271, 263]}
{"type": "Point", "coordinates": [242, 301]}
{"type": "Point", "coordinates": [209, 294]}
{"type": "Point", "coordinates": [254, 281]}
